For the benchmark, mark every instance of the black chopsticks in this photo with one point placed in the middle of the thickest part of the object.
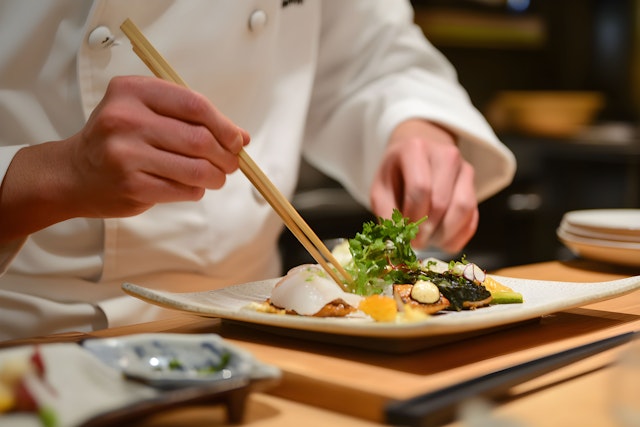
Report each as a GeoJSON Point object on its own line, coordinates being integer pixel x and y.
{"type": "Point", "coordinates": [439, 407]}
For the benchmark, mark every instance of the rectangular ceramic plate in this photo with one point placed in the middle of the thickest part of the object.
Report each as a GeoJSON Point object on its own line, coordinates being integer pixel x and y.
{"type": "Point", "coordinates": [540, 298]}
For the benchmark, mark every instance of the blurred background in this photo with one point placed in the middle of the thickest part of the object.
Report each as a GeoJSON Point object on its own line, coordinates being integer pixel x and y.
{"type": "Point", "coordinates": [560, 83]}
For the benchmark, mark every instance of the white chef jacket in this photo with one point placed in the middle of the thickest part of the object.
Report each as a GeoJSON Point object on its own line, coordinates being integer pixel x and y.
{"type": "Point", "coordinates": [325, 79]}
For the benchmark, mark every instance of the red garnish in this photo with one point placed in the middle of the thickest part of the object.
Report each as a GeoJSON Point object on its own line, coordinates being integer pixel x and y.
{"type": "Point", "coordinates": [38, 362]}
{"type": "Point", "coordinates": [25, 401]}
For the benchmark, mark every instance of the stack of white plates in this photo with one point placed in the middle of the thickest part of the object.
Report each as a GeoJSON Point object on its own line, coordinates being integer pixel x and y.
{"type": "Point", "coordinates": [610, 235]}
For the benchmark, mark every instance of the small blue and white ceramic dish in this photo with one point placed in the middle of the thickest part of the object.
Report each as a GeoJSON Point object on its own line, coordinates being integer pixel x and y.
{"type": "Point", "coordinates": [169, 361]}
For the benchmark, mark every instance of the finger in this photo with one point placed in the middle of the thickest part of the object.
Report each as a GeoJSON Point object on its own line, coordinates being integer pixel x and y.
{"type": "Point", "coordinates": [387, 184]}
{"type": "Point", "coordinates": [189, 140]}
{"type": "Point", "coordinates": [460, 220]}
{"type": "Point", "coordinates": [455, 240]}
{"type": "Point", "coordinates": [171, 100]}
{"type": "Point", "coordinates": [195, 108]}
{"type": "Point", "coordinates": [134, 192]}
{"type": "Point", "coordinates": [408, 174]}
{"type": "Point", "coordinates": [417, 192]}
{"type": "Point", "coordinates": [446, 165]}
{"type": "Point", "coordinates": [161, 146]}
{"type": "Point", "coordinates": [168, 128]}
{"type": "Point", "coordinates": [184, 170]}
{"type": "Point", "coordinates": [417, 174]}
{"type": "Point", "coordinates": [157, 189]}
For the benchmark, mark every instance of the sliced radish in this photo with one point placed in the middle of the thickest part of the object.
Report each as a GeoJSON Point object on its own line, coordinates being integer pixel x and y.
{"type": "Point", "coordinates": [473, 273]}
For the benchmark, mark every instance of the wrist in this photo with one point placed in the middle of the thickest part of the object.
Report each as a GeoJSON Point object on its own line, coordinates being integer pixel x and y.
{"type": "Point", "coordinates": [32, 194]}
{"type": "Point", "coordinates": [423, 129]}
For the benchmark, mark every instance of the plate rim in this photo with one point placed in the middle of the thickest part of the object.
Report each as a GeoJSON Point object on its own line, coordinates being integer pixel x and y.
{"type": "Point", "coordinates": [364, 328]}
{"type": "Point", "coordinates": [595, 234]}
{"type": "Point", "coordinates": [564, 234]}
{"type": "Point", "coordinates": [576, 218]}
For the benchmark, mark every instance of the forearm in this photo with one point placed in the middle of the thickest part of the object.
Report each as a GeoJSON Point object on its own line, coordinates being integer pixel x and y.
{"type": "Point", "coordinates": [33, 194]}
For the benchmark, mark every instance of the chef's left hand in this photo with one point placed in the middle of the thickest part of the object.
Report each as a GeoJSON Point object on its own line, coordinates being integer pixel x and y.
{"type": "Point", "coordinates": [423, 173]}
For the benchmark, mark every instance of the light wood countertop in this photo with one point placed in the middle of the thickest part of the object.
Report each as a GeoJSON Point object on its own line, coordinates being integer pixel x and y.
{"type": "Point", "coordinates": [326, 384]}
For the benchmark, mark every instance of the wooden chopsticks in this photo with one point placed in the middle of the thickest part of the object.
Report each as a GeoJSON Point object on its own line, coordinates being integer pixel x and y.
{"type": "Point", "coordinates": [439, 407]}
{"type": "Point", "coordinates": [291, 218]}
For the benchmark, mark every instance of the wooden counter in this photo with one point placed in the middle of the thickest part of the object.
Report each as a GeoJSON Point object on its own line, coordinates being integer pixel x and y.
{"type": "Point", "coordinates": [340, 385]}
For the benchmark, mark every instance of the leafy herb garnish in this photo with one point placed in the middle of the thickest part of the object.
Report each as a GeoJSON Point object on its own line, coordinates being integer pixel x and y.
{"type": "Point", "coordinates": [382, 254]}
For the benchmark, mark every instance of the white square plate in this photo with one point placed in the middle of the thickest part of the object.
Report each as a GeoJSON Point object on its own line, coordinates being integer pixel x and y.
{"type": "Point", "coordinates": [540, 298]}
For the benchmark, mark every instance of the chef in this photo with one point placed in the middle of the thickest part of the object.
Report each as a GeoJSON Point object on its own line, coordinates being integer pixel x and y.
{"type": "Point", "coordinates": [111, 175]}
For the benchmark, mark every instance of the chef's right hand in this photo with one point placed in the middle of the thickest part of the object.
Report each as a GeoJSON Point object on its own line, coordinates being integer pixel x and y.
{"type": "Point", "coordinates": [148, 141]}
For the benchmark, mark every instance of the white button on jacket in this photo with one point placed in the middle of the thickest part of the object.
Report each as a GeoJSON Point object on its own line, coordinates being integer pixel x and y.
{"type": "Point", "coordinates": [101, 38]}
{"type": "Point", "coordinates": [257, 20]}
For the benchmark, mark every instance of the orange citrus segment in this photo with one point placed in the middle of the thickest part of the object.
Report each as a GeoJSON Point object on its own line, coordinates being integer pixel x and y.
{"type": "Point", "coordinates": [380, 308]}
{"type": "Point", "coordinates": [493, 285]}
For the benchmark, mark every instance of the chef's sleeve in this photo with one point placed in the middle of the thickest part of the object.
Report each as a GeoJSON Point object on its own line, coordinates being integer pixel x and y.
{"type": "Point", "coordinates": [375, 70]}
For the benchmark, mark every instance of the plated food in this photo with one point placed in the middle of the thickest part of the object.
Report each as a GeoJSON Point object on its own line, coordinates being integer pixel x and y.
{"type": "Point", "coordinates": [389, 282]}
{"type": "Point", "coordinates": [246, 304]}
{"type": "Point", "coordinates": [19, 378]}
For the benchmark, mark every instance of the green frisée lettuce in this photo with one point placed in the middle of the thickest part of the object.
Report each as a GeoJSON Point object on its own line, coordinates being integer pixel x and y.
{"type": "Point", "coordinates": [382, 254]}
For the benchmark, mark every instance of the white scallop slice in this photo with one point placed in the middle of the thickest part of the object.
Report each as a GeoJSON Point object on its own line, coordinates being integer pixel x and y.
{"type": "Point", "coordinates": [306, 289]}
